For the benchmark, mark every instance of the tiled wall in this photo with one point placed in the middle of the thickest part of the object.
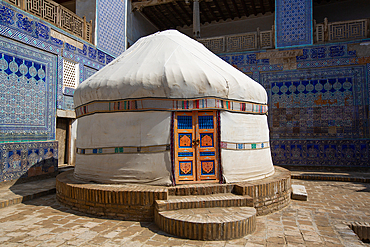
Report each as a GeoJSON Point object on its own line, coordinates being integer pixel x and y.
{"type": "Point", "coordinates": [22, 160]}
{"type": "Point", "coordinates": [318, 102]}
{"type": "Point", "coordinates": [31, 77]}
{"type": "Point", "coordinates": [111, 26]}
{"type": "Point", "coordinates": [293, 20]}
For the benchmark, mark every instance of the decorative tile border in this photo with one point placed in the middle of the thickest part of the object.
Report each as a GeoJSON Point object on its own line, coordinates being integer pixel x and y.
{"type": "Point", "coordinates": [321, 153]}
{"type": "Point", "coordinates": [124, 150]}
{"type": "Point", "coordinates": [152, 104]}
{"type": "Point", "coordinates": [244, 146]}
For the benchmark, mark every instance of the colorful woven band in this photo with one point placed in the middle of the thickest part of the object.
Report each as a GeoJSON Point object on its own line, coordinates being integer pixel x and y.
{"type": "Point", "coordinates": [244, 146]}
{"type": "Point", "coordinates": [169, 105]}
{"type": "Point", "coordinates": [124, 150]}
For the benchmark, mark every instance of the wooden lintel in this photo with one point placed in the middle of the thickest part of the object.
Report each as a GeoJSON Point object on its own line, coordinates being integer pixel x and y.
{"type": "Point", "coordinates": [141, 4]}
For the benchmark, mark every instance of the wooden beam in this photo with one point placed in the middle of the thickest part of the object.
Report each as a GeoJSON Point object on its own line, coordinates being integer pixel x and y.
{"type": "Point", "coordinates": [236, 8]}
{"type": "Point", "coordinates": [254, 7]}
{"type": "Point", "coordinates": [228, 9]}
{"type": "Point", "coordinates": [146, 3]}
{"type": "Point", "coordinates": [169, 22]}
{"type": "Point", "coordinates": [262, 7]}
{"type": "Point", "coordinates": [180, 4]}
{"type": "Point", "coordinates": [177, 15]}
{"type": "Point", "coordinates": [155, 20]}
{"type": "Point", "coordinates": [204, 12]}
{"type": "Point", "coordinates": [208, 5]}
{"type": "Point", "coordinates": [272, 6]}
{"type": "Point", "coordinates": [219, 10]}
{"type": "Point", "coordinates": [173, 7]}
{"type": "Point", "coordinates": [246, 12]}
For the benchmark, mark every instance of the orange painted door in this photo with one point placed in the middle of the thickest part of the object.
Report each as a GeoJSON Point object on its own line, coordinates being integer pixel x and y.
{"type": "Point", "coordinates": [196, 156]}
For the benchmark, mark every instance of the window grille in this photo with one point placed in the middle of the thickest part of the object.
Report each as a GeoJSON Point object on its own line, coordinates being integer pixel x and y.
{"type": "Point", "coordinates": [70, 74]}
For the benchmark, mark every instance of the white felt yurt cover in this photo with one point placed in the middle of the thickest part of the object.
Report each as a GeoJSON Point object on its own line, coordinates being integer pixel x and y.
{"type": "Point", "coordinates": [165, 65]}
{"type": "Point", "coordinates": [168, 65]}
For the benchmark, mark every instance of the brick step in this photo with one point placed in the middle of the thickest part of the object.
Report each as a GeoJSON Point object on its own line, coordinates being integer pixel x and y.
{"type": "Point", "coordinates": [200, 189]}
{"type": "Point", "coordinates": [208, 223]}
{"type": "Point", "coordinates": [203, 201]}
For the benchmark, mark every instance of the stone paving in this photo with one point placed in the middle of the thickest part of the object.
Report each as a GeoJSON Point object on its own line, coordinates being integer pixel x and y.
{"type": "Point", "coordinates": [316, 222]}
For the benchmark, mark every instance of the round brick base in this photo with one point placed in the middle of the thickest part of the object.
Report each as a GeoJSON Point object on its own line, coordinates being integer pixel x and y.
{"type": "Point", "coordinates": [137, 202]}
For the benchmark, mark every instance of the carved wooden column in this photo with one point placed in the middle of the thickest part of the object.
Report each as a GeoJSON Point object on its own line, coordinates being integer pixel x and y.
{"type": "Point", "coordinates": [196, 19]}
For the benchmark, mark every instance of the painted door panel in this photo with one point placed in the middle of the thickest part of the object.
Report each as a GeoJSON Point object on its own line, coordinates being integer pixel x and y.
{"type": "Point", "coordinates": [196, 147]}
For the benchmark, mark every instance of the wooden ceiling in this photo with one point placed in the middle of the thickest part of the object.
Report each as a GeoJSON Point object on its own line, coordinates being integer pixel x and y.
{"type": "Point", "coordinates": [167, 14]}
{"type": "Point", "coordinates": [171, 14]}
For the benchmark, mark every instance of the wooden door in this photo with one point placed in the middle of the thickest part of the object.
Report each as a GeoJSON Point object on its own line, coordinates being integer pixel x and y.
{"type": "Point", "coordinates": [196, 156]}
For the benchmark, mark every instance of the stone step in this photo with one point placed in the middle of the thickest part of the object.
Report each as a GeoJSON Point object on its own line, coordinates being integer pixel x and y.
{"type": "Point", "coordinates": [203, 201]}
{"type": "Point", "coordinates": [208, 223]}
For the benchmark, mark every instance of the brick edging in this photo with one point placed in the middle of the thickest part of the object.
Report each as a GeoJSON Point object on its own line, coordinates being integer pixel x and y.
{"type": "Point", "coordinates": [20, 199]}
{"type": "Point", "coordinates": [330, 178]}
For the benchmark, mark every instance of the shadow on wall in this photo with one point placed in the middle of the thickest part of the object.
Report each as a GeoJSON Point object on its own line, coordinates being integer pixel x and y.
{"type": "Point", "coordinates": [46, 168]}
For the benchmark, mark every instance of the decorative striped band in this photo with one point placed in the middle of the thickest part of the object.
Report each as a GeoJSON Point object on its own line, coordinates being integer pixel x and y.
{"type": "Point", "coordinates": [124, 150]}
{"type": "Point", "coordinates": [149, 104]}
{"type": "Point", "coordinates": [166, 147]}
{"type": "Point", "coordinates": [244, 146]}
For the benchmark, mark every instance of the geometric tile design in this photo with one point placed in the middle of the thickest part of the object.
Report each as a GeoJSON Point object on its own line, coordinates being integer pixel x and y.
{"type": "Point", "coordinates": [28, 29]}
{"type": "Point", "coordinates": [319, 112]}
{"type": "Point", "coordinates": [329, 153]}
{"type": "Point", "coordinates": [317, 103]}
{"type": "Point", "coordinates": [89, 72]}
{"type": "Point", "coordinates": [293, 20]}
{"type": "Point", "coordinates": [27, 159]}
{"type": "Point", "coordinates": [31, 75]}
{"type": "Point", "coordinates": [68, 102]}
{"type": "Point", "coordinates": [27, 93]}
{"type": "Point", "coordinates": [111, 26]}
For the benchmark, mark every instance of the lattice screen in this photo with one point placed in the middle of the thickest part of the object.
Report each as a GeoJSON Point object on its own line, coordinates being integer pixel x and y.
{"type": "Point", "coordinates": [70, 74]}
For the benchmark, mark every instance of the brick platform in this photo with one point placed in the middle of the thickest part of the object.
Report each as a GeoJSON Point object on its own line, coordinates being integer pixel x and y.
{"type": "Point", "coordinates": [143, 202]}
{"type": "Point", "coordinates": [270, 194]}
{"type": "Point", "coordinates": [126, 202]}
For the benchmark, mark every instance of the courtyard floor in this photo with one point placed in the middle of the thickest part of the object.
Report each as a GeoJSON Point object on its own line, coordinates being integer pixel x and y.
{"type": "Point", "coordinates": [316, 222]}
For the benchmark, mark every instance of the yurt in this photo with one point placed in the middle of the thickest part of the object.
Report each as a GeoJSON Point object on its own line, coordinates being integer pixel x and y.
{"type": "Point", "coordinates": [167, 112]}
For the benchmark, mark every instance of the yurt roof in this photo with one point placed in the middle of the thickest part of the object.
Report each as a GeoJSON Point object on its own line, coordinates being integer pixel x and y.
{"type": "Point", "coordinates": [168, 64]}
